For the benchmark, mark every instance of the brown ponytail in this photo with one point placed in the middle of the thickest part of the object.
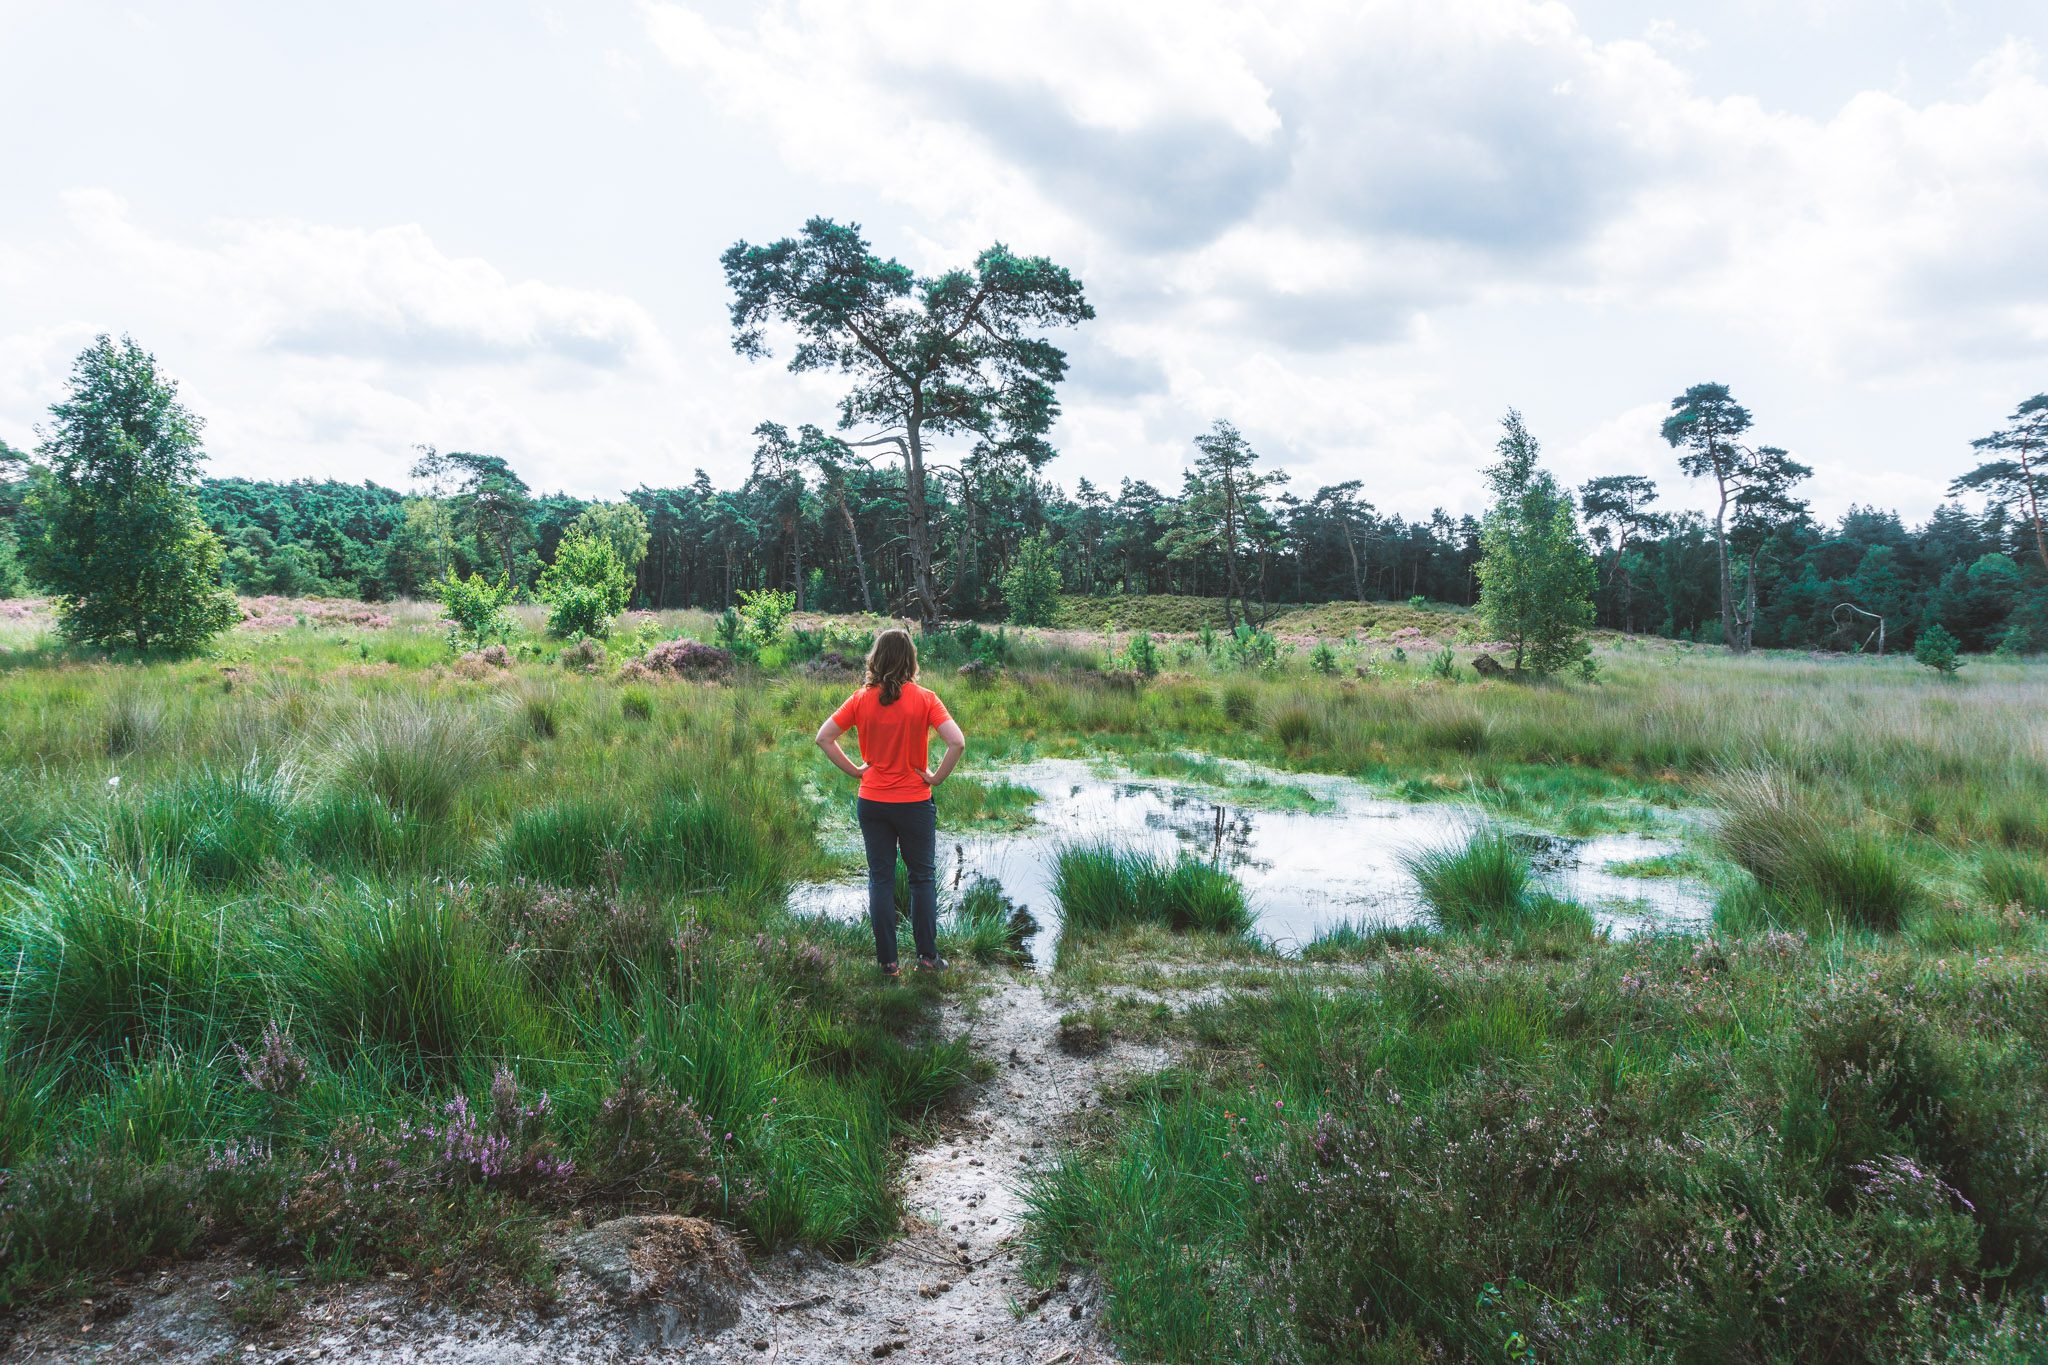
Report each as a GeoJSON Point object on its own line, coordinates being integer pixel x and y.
{"type": "Point", "coordinates": [892, 662]}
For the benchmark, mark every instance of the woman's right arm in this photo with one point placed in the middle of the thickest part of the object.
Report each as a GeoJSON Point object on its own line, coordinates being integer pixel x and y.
{"type": "Point", "coordinates": [828, 740]}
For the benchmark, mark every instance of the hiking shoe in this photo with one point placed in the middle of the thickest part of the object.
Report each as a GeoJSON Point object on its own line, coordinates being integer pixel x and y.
{"type": "Point", "coordinates": [931, 964]}
{"type": "Point", "coordinates": [890, 969]}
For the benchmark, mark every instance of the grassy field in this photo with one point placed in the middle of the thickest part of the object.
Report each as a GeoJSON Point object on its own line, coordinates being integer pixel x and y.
{"type": "Point", "coordinates": [372, 957]}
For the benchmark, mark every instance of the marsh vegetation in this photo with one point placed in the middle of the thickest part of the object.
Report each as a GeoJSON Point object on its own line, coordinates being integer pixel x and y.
{"type": "Point", "coordinates": [515, 940]}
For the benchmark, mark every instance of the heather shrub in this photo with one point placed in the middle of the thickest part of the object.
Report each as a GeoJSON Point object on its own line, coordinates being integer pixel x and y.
{"type": "Point", "coordinates": [689, 659]}
{"type": "Point", "coordinates": [1684, 1150]}
{"type": "Point", "coordinates": [568, 941]}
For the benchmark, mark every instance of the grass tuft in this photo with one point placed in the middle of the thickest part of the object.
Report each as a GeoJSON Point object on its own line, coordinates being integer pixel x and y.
{"type": "Point", "coordinates": [1104, 887]}
{"type": "Point", "coordinates": [1813, 871]}
{"type": "Point", "coordinates": [415, 756]}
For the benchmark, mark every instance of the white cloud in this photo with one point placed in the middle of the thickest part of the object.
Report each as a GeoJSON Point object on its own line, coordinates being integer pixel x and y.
{"type": "Point", "coordinates": [293, 337]}
{"type": "Point", "coordinates": [1358, 228]}
{"type": "Point", "coordinates": [1251, 192]}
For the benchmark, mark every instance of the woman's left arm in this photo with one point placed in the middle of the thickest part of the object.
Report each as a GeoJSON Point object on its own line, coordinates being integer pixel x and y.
{"type": "Point", "coordinates": [956, 745]}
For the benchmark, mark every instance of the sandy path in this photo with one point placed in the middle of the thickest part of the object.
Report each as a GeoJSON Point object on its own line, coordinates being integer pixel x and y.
{"type": "Point", "coordinates": [950, 1289]}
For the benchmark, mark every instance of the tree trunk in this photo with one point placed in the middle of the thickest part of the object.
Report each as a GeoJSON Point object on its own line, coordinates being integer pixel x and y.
{"type": "Point", "coordinates": [796, 549]}
{"type": "Point", "coordinates": [1727, 575]}
{"type": "Point", "coordinates": [2033, 503]}
{"type": "Point", "coordinates": [1357, 583]}
{"type": "Point", "coordinates": [922, 589]}
{"type": "Point", "coordinates": [860, 567]}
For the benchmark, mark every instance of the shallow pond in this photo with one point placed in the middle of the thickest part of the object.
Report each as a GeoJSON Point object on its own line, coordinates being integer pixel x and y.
{"type": "Point", "coordinates": [1304, 870]}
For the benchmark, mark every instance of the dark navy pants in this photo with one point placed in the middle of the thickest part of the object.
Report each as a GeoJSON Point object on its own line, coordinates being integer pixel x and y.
{"type": "Point", "coordinates": [911, 827]}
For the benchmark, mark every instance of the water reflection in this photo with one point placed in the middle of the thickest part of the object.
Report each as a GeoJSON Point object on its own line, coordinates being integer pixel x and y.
{"type": "Point", "coordinates": [1303, 870]}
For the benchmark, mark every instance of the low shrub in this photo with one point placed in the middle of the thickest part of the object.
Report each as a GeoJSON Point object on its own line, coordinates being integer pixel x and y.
{"type": "Point", "coordinates": [689, 659]}
{"type": "Point", "coordinates": [1657, 1151]}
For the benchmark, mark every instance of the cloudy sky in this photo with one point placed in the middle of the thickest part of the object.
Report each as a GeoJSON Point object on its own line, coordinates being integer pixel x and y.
{"type": "Point", "coordinates": [1360, 231]}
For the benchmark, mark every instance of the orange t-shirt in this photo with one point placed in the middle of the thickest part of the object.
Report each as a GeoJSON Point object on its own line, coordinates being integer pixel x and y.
{"type": "Point", "coordinates": [894, 740]}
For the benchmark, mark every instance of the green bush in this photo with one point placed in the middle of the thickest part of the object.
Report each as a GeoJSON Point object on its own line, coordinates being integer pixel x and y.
{"type": "Point", "coordinates": [1939, 650]}
{"type": "Point", "coordinates": [112, 530]}
{"type": "Point", "coordinates": [1251, 649]}
{"type": "Point", "coordinates": [1141, 655]}
{"type": "Point", "coordinates": [1031, 585]}
{"type": "Point", "coordinates": [476, 609]}
{"type": "Point", "coordinates": [764, 614]}
{"type": "Point", "coordinates": [585, 587]}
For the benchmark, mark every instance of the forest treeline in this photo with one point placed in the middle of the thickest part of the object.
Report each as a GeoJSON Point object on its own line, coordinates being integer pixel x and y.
{"type": "Point", "coordinates": [835, 536]}
{"type": "Point", "coordinates": [932, 489]}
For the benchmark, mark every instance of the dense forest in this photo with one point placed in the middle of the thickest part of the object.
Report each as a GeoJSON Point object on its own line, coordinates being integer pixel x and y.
{"type": "Point", "coordinates": [833, 533]}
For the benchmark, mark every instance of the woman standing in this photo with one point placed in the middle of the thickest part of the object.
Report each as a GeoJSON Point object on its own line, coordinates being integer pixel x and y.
{"type": "Point", "coordinates": [897, 810]}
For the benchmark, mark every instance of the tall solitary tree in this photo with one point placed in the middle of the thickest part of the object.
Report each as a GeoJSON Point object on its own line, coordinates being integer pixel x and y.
{"type": "Point", "coordinates": [1763, 507]}
{"type": "Point", "coordinates": [1223, 517]}
{"type": "Point", "coordinates": [2017, 480]}
{"type": "Point", "coordinates": [1707, 424]}
{"type": "Point", "coordinates": [957, 353]}
{"type": "Point", "coordinates": [1535, 578]}
{"type": "Point", "coordinates": [114, 531]}
{"type": "Point", "coordinates": [1351, 516]}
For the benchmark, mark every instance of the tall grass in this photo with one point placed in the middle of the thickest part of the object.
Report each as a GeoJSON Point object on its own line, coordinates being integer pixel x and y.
{"type": "Point", "coordinates": [1483, 883]}
{"type": "Point", "coordinates": [409, 969]}
{"type": "Point", "coordinates": [224, 826]}
{"type": "Point", "coordinates": [220, 974]}
{"type": "Point", "coordinates": [2014, 879]}
{"type": "Point", "coordinates": [1813, 869]}
{"type": "Point", "coordinates": [415, 756]}
{"type": "Point", "coordinates": [1105, 887]}
{"type": "Point", "coordinates": [100, 959]}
